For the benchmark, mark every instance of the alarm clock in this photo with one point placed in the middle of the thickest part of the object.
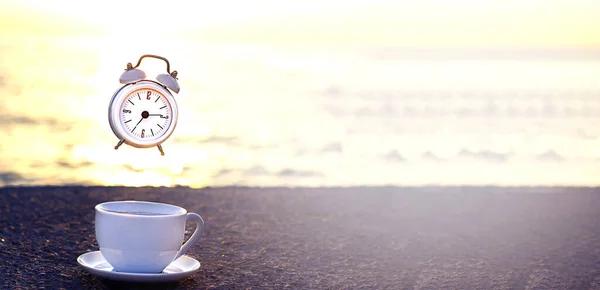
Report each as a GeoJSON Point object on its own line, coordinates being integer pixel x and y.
{"type": "Point", "coordinates": [143, 113]}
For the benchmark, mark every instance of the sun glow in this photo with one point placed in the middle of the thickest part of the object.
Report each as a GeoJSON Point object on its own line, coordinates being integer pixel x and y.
{"type": "Point", "coordinates": [431, 22]}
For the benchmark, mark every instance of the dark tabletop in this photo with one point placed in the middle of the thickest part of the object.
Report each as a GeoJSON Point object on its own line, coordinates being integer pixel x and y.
{"type": "Point", "coordinates": [325, 238]}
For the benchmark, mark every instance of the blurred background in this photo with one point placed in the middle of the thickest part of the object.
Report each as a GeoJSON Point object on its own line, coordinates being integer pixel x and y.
{"type": "Point", "coordinates": [307, 93]}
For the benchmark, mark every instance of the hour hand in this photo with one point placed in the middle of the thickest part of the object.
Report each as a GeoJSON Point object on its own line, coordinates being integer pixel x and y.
{"type": "Point", "coordinates": [161, 115]}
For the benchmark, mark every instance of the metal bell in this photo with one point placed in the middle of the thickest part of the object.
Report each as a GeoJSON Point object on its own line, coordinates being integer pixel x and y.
{"type": "Point", "coordinates": [132, 75]}
{"type": "Point", "coordinates": [170, 81]}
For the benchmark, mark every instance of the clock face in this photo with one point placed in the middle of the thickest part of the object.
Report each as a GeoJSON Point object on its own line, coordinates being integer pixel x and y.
{"type": "Point", "coordinates": [145, 114]}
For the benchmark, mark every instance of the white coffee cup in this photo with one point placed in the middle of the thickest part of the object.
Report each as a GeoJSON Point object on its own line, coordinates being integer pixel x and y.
{"type": "Point", "coordinates": [143, 237]}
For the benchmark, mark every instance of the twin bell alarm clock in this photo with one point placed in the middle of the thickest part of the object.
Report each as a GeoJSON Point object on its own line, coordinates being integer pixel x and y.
{"type": "Point", "coordinates": [143, 113]}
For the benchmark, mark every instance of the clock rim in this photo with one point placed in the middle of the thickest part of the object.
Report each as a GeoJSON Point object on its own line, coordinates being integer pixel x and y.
{"type": "Point", "coordinates": [117, 100]}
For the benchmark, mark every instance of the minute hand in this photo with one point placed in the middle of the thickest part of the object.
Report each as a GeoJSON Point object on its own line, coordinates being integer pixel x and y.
{"type": "Point", "coordinates": [137, 124]}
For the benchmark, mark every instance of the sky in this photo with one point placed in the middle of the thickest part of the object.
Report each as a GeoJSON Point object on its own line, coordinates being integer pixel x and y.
{"type": "Point", "coordinates": [325, 66]}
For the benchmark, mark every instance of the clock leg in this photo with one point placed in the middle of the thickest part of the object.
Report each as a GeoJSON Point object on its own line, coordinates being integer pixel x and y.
{"type": "Point", "coordinates": [119, 144]}
{"type": "Point", "coordinates": [160, 149]}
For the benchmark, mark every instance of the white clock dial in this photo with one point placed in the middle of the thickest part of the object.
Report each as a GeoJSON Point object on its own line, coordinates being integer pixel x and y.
{"type": "Point", "coordinates": [143, 114]}
{"type": "Point", "coordinates": [146, 114]}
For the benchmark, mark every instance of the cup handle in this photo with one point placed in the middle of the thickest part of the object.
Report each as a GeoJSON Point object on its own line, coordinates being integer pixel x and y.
{"type": "Point", "coordinates": [196, 219]}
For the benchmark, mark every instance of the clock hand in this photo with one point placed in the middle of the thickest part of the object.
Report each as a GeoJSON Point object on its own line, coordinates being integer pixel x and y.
{"type": "Point", "coordinates": [137, 124]}
{"type": "Point", "coordinates": [161, 115]}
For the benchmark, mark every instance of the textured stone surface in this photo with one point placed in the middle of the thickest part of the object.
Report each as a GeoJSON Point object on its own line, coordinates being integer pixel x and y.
{"type": "Point", "coordinates": [333, 238]}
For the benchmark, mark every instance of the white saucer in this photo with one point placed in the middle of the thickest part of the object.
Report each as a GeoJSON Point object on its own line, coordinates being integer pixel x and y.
{"type": "Point", "coordinates": [179, 269]}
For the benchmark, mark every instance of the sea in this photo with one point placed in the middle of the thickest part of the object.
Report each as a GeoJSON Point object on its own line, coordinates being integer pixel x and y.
{"type": "Point", "coordinates": [287, 115]}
